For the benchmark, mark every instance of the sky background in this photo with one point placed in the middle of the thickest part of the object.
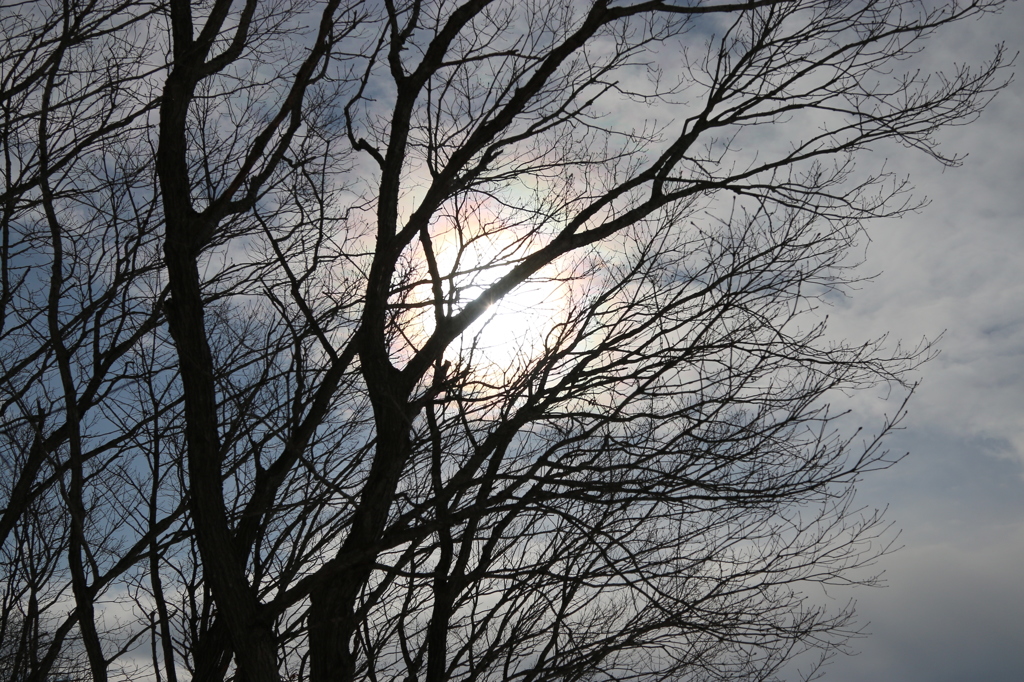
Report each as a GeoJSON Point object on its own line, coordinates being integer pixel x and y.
{"type": "Point", "coordinates": [953, 610]}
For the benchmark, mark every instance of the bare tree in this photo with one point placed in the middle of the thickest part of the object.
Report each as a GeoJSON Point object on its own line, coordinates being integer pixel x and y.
{"type": "Point", "coordinates": [442, 341]}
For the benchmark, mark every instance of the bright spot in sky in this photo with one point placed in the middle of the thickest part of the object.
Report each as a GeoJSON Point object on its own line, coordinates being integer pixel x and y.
{"type": "Point", "coordinates": [512, 332]}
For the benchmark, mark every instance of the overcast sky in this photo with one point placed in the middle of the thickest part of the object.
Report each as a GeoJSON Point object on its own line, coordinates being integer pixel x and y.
{"type": "Point", "coordinates": [954, 608]}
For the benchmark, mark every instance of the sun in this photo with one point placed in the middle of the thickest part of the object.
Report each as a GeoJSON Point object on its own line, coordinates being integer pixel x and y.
{"type": "Point", "coordinates": [508, 337]}
{"type": "Point", "coordinates": [472, 244]}
{"type": "Point", "coordinates": [513, 331]}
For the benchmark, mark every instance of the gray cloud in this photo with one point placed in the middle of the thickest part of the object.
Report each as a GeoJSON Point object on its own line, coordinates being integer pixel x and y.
{"type": "Point", "coordinates": [955, 601]}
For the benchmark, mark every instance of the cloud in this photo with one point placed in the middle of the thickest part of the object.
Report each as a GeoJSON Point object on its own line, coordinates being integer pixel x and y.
{"type": "Point", "coordinates": [951, 616]}
{"type": "Point", "coordinates": [952, 611]}
{"type": "Point", "coordinates": [955, 267]}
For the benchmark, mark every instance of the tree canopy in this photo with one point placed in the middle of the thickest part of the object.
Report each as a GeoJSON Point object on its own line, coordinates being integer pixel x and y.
{"type": "Point", "coordinates": [413, 340]}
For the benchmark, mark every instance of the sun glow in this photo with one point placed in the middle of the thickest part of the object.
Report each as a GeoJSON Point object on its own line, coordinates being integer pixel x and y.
{"type": "Point", "coordinates": [514, 330]}
{"type": "Point", "coordinates": [472, 248]}
{"type": "Point", "coordinates": [511, 334]}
